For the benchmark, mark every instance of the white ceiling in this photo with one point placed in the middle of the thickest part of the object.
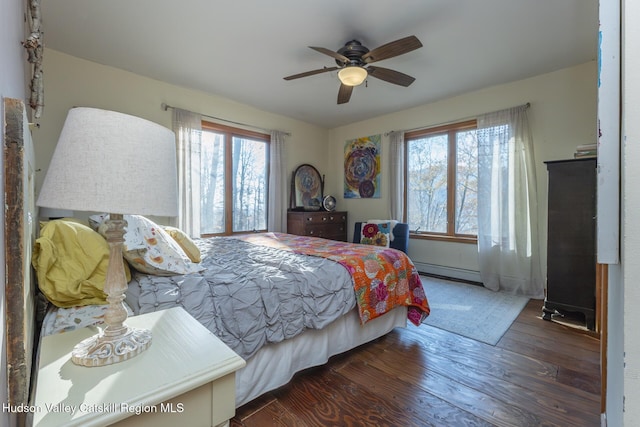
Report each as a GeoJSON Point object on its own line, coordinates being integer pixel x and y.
{"type": "Point", "coordinates": [242, 49]}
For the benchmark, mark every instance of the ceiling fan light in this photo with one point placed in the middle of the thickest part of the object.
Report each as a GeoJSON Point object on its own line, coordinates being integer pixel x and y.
{"type": "Point", "coordinates": [352, 76]}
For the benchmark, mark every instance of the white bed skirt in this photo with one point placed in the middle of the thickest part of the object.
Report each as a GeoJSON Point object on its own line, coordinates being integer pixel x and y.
{"type": "Point", "coordinates": [275, 364]}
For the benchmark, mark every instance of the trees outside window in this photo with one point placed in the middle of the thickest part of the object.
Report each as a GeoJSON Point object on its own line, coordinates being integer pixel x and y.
{"type": "Point", "coordinates": [234, 176]}
{"type": "Point", "coordinates": [442, 182]}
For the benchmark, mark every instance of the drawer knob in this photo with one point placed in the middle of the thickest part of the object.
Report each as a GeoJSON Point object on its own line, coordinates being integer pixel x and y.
{"type": "Point", "coordinates": [324, 218]}
{"type": "Point", "coordinates": [309, 218]}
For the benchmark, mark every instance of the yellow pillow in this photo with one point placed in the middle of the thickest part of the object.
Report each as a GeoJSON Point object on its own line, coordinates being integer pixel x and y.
{"type": "Point", "coordinates": [185, 242]}
{"type": "Point", "coordinates": [71, 262]}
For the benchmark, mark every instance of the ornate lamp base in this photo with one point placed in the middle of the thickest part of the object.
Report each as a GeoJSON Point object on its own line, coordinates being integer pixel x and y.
{"type": "Point", "coordinates": [117, 342]}
{"type": "Point", "coordinates": [106, 349]}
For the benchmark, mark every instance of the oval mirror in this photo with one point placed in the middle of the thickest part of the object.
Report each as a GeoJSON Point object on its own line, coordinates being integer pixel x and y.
{"type": "Point", "coordinates": [307, 187]}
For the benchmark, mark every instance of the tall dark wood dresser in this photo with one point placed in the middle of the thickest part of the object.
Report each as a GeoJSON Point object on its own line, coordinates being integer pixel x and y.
{"type": "Point", "coordinates": [571, 239]}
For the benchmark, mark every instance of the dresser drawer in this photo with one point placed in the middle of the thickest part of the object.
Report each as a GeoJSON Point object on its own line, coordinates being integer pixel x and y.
{"type": "Point", "coordinates": [328, 225]}
{"type": "Point", "coordinates": [328, 231]}
{"type": "Point", "coordinates": [325, 218]}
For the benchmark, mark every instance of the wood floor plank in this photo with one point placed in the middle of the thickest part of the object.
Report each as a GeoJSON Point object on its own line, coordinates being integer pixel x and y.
{"type": "Point", "coordinates": [409, 394]}
{"type": "Point", "coordinates": [475, 355]}
{"type": "Point", "coordinates": [553, 334]}
{"type": "Point", "coordinates": [337, 402]}
{"type": "Point", "coordinates": [539, 376]}
{"type": "Point", "coordinates": [502, 392]}
{"type": "Point", "coordinates": [558, 407]}
{"type": "Point", "coordinates": [273, 414]}
{"type": "Point", "coordinates": [586, 381]}
{"type": "Point", "coordinates": [549, 352]}
{"type": "Point", "coordinates": [587, 346]}
{"type": "Point", "coordinates": [471, 352]}
{"type": "Point", "coordinates": [540, 373]}
{"type": "Point", "coordinates": [482, 405]}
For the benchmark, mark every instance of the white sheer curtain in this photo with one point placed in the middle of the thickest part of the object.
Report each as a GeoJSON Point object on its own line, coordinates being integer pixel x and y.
{"type": "Point", "coordinates": [188, 129]}
{"type": "Point", "coordinates": [509, 253]}
{"type": "Point", "coordinates": [396, 172]}
{"type": "Point", "coordinates": [276, 218]}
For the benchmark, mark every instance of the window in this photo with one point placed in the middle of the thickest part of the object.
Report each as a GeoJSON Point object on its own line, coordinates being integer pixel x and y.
{"type": "Point", "coordinates": [442, 182]}
{"type": "Point", "coordinates": [234, 171]}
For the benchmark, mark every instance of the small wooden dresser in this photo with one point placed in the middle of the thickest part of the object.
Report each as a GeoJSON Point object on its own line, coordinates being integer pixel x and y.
{"type": "Point", "coordinates": [328, 225]}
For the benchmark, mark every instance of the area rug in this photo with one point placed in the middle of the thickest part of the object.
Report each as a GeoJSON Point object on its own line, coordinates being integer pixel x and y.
{"type": "Point", "coordinates": [471, 310]}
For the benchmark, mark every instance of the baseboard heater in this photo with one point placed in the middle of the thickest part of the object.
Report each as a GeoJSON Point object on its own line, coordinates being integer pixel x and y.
{"type": "Point", "coordinates": [445, 272]}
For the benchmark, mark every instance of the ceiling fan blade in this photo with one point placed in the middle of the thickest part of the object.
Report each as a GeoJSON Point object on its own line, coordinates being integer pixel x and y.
{"type": "Point", "coordinates": [331, 53]}
{"type": "Point", "coordinates": [344, 94]}
{"type": "Point", "coordinates": [391, 76]}
{"type": "Point", "coordinates": [310, 73]}
{"type": "Point", "coordinates": [389, 50]}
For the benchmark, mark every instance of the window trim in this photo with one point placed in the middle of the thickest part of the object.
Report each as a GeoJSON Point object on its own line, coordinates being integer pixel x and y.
{"type": "Point", "coordinates": [229, 132]}
{"type": "Point", "coordinates": [450, 129]}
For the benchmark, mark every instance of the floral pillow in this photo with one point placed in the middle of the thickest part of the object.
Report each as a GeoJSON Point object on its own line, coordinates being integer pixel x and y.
{"type": "Point", "coordinates": [376, 233]}
{"type": "Point", "coordinates": [150, 249]}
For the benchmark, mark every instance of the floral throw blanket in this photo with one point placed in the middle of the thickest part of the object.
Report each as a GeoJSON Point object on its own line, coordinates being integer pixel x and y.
{"type": "Point", "coordinates": [383, 278]}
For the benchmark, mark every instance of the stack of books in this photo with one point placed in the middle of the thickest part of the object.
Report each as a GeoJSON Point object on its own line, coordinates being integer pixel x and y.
{"type": "Point", "coordinates": [586, 150]}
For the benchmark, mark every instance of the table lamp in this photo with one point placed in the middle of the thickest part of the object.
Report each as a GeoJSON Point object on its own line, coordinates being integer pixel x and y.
{"type": "Point", "coordinates": [50, 213]}
{"type": "Point", "coordinates": [119, 164]}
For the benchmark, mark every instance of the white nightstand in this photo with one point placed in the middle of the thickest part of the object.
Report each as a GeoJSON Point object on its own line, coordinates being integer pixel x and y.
{"type": "Point", "coordinates": [186, 378]}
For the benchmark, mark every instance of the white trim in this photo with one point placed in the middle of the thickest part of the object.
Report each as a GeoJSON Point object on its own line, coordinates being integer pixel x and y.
{"type": "Point", "coordinates": [608, 182]}
{"type": "Point", "coordinates": [453, 272]}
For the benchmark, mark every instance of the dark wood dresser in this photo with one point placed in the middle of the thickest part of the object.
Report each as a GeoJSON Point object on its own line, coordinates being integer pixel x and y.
{"type": "Point", "coordinates": [329, 225]}
{"type": "Point", "coordinates": [571, 239]}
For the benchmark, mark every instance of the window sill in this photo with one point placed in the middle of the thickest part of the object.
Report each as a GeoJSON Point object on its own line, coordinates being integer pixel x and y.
{"type": "Point", "coordinates": [233, 233]}
{"type": "Point", "coordinates": [445, 238]}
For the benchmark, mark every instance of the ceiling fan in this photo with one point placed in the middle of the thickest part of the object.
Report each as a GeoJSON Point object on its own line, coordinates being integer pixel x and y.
{"type": "Point", "coordinates": [353, 61]}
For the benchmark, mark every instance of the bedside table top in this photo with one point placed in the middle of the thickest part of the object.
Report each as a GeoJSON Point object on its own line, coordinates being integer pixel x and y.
{"type": "Point", "coordinates": [183, 355]}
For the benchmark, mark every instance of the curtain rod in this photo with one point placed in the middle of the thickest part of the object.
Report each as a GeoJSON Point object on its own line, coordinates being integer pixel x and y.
{"type": "Point", "coordinates": [525, 106]}
{"type": "Point", "coordinates": [165, 107]}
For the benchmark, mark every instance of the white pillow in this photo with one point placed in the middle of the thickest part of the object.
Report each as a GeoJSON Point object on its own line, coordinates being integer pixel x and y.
{"type": "Point", "coordinates": [149, 249]}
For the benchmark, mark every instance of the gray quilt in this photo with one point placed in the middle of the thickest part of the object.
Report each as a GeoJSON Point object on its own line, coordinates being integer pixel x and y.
{"type": "Point", "coordinates": [250, 295]}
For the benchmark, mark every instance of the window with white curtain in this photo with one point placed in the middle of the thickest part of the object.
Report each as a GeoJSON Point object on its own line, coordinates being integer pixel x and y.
{"type": "Point", "coordinates": [233, 180]}
{"type": "Point", "coordinates": [442, 182]}
{"type": "Point", "coordinates": [508, 245]}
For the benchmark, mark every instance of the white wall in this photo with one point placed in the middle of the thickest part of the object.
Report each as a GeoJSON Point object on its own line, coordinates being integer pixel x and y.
{"type": "Point", "coordinates": [12, 85]}
{"type": "Point", "coordinates": [630, 297]}
{"type": "Point", "coordinates": [70, 81]}
{"type": "Point", "coordinates": [562, 116]}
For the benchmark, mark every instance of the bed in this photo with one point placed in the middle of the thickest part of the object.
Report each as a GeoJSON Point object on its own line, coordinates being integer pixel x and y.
{"type": "Point", "coordinates": [270, 364]}
{"type": "Point", "coordinates": [324, 321]}
{"type": "Point", "coordinates": [282, 302]}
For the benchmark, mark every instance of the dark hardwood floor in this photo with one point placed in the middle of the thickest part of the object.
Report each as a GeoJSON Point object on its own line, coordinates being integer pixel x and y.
{"type": "Point", "coordinates": [540, 374]}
